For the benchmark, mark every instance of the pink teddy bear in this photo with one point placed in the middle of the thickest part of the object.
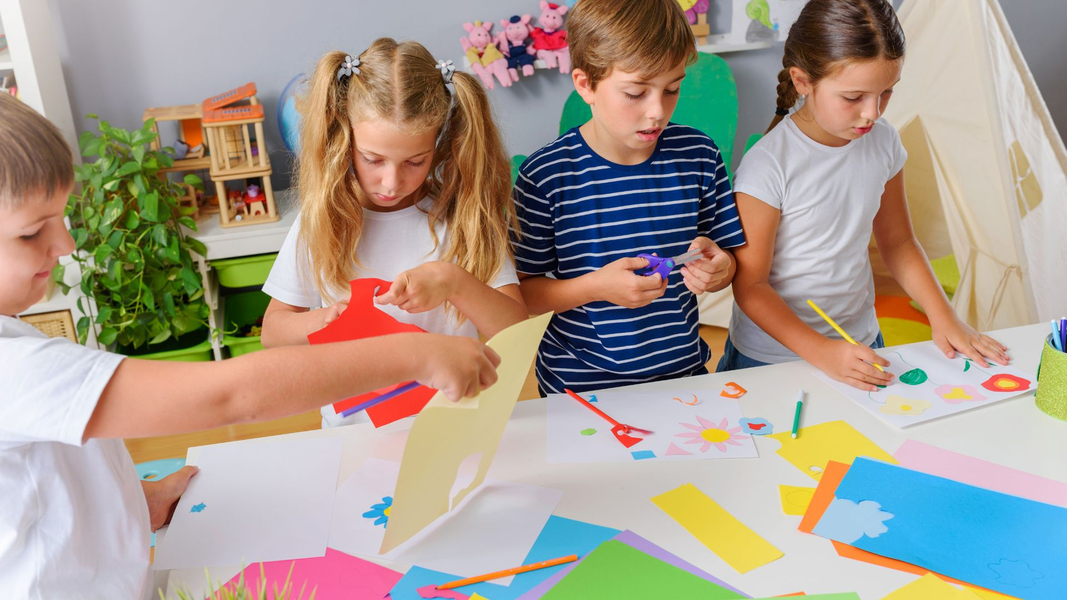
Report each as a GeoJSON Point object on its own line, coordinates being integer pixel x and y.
{"type": "Point", "coordinates": [484, 55]}
{"type": "Point", "coordinates": [550, 41]}
{"type": "Point", "coordinates": [513, 42]}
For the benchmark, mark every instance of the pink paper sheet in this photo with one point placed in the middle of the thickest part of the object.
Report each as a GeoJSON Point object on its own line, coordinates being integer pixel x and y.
{"type": "Point", "coordinates": [932, 460]}
{"type": "Point", "coordinates": [336, 576]}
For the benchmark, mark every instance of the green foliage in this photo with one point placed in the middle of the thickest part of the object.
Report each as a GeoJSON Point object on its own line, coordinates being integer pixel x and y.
{"type": "Point", "coordinates": [135, 259]}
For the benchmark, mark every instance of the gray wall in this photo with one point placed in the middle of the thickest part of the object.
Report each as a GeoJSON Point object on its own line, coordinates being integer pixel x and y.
{"type": "Point", "coordinates": [121, 56]}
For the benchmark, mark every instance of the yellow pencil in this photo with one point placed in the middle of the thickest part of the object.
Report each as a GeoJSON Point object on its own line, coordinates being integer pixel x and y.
{"type": "Point", "coordinates": [848, 338]}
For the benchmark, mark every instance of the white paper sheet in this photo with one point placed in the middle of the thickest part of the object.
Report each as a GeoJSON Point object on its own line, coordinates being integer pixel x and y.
{"type": "Point", "coordinates": [254, 501]}
{"type": "Point", "coordinates": [709, 429]}
{"type": "Point", "coordinates": [492, 529]}
{"type": "Point", "coordinates": [928, 385]}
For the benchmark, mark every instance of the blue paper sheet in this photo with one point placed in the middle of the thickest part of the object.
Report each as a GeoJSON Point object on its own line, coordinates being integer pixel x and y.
{"type": "Point", "coordinates": [560, 537]}
{"type": "Point", "coordinates": [993, 540]}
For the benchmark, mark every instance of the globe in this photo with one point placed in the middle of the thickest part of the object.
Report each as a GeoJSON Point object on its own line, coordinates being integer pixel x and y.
{"type": "Point", "coordinates": [288, 117]}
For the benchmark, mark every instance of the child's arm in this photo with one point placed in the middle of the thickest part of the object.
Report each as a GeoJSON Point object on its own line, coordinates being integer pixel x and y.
{"type": "Point", "coordinates": [711, 273]}
{"type": "Point", "coordinates": [148, 398]}
{"type": "Point", "coordinates": [289, 325]}
{"type": "Point", "coordinates": [431, 284]}
{"type": "Point", "coordinates": [615, 282]}
{"type": "Point", "coordinates": [752, 290]}
{"type": "Point", "coordinates": [908, 263]}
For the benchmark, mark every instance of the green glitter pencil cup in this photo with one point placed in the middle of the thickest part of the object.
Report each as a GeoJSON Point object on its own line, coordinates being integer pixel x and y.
{"type": "Point", "coordinates": [1051, 395]}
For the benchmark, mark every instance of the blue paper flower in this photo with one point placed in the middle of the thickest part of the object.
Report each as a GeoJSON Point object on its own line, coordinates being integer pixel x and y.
{"type": "Point", "coordinates": [758, 426]}
{"type": "Point", "coordinates": [380, 512]}
{"type": "Point", "coordinates": [846, 521]}
{"type": "Point", "coordinates": [198, 508]}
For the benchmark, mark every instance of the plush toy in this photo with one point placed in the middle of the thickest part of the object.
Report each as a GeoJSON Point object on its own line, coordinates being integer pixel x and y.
{"type": "Point", "coordinates": [484, 55]}
{"type": "Point", "coordinates": [550, 41]}
{"type": "Point", "coordinates": [693, 8]}
{"type": "Point", "coordinates": [513, 42]}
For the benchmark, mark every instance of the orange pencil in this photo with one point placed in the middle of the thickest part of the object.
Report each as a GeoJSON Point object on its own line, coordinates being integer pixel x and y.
{"type": "Point", "coordinates": [514, 571]}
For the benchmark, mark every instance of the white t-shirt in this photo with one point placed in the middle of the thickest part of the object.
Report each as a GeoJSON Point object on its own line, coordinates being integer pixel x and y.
{"type": "Point", "coordinates": [73, 518]}
{"type": "Point", "coordinates": [828, 198]}
{"type": "Point", "coordinates": [390, 243]}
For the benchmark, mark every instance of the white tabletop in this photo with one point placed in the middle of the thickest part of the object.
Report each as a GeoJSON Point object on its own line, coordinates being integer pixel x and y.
{"type": "Point", "coordinates": [1011, 432]}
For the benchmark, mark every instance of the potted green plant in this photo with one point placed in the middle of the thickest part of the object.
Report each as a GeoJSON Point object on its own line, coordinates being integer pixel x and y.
{"type": "Point", "coordinates": [136, 261]}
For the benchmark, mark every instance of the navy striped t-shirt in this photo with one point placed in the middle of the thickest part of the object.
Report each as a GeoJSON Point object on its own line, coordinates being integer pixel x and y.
{"type": "Point", "coordinates": [578, 212]}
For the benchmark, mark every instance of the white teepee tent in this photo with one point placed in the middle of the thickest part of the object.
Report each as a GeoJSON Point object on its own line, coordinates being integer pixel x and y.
{"type": "Point", "coordinates": [987, 172]}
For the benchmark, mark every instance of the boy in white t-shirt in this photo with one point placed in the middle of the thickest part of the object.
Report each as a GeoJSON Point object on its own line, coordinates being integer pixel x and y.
{"type": "Point", "coordinates": [74, 517]}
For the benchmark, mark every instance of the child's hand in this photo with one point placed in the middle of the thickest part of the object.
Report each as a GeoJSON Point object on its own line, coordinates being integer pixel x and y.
{"type": "Point", "coordinates": [848, 363]}
{"type": "Point", "coordinates": [709, 272]}
{"type": "Point", "coordinates": [617, 283]}
{"type": "Point", "coordinates": [456, 365]}
{"type": "Point", "coordinates": [955, 336]}
{"type": "Point", "coordinates": [162, 496]}
{"type": "Point", "coordinates": [423, 288]}
{"type": "Point", "coordinates": [331, 313]}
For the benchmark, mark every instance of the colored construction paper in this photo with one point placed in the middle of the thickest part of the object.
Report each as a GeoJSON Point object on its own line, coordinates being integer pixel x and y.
{"type": "Point", "coordinates": [930, 587]}
{"type": "Point", "coordinates": [616, 570]}
{"type": "Point", "coordinates": [824, 494]}
{"type": "Point", "coordinates": [929, 385]}
{"type": "Point", "coordinates": [795, 499]}
{"type": "Point", "coordinates": [363, 319]}
{"type": "Point", "coordinates": [445, 433]}
{"type": "Point", "coordinates": [817, 444]}
{"type": "Point", "coordinates": [989, 539]}
{"type": "Point", "coordinates": [840, 596]}
{"type": "Point", "coordinates": [710, 428]}
{"type": "Point", "coordinates": [560, 537]}
{"type": "Point", "coordinates": [717, 529]}
{"type": "Point", "coordinates": [336, 576]}
{"type": "Point", "coordinates": [639, 543]}
{"type": "Point", "coordinates": [972, 471]}
{"type": "Point", "coordinates": [264, 500]}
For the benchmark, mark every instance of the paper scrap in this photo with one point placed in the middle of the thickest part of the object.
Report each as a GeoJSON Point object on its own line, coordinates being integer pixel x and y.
{"type": "Point", "coordinates": [795, 499]}
{"type": "Point", "coordinates": [817, 444]}
{"type": "Point", "coordinates": [442, 436]}
{"type": "Point", "coordinates": [717, 529]}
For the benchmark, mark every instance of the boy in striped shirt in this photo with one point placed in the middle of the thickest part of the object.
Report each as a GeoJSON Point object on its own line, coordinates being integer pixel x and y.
{"type": "Point", "coordinates": [626, 182]}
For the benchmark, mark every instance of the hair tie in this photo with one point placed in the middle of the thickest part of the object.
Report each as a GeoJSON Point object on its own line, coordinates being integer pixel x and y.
{"type": "Point", "coordinates": [349, 66]}
{"type": "Point", "coordinates": [447, 69]}
{"type": "Point", "coordinates": [781, 112]}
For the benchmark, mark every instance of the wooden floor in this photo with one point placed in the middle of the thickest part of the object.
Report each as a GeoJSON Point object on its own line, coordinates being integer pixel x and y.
{"type": "Point", "coordinates": [175, 446]}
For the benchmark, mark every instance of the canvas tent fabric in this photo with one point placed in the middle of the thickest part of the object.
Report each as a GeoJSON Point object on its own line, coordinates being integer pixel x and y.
{"type": "Point", "coordinates": [986, 176]}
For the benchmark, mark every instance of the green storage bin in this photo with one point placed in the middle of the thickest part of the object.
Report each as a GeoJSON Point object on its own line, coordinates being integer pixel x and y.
{"type": "Point", "coordinates": [239, 311]}
{"type": "Point", "coordinates": [245, 271]}
{"type": "Point", "coordinates": [194, 346]}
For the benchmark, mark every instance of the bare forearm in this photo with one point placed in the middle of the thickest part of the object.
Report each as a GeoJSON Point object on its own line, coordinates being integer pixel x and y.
{"type": "Point", "coordinates": [909, 266]}
{"type": "Point", "coordinates": [557, 295]}
{"type": "Point", "coordinates": [767, 309]}
{"type": "Point", "coordinates": [147, 398]}
{"type": "Point", "coordinates": [289, 328]}
{"type": "Point", "coordinates": [490, 310]}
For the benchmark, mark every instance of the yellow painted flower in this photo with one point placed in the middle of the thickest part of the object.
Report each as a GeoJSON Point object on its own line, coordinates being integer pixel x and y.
{"type": "Point", "coordinates": [899, 405]}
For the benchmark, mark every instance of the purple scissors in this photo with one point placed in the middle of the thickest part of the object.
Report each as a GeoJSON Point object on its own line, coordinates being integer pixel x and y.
{"type": "Point", "coordinates": [664, 266]}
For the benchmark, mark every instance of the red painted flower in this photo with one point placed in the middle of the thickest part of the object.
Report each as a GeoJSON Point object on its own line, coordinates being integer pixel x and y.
{"type": "Point", "coordinates": [1006, 383]}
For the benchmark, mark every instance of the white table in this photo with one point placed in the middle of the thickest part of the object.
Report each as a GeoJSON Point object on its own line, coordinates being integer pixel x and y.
{"type": "Point", "coordinates": [1011, 432]}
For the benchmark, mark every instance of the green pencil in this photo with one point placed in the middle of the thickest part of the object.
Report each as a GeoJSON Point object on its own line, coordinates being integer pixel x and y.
{"type": "Point", "coordinates": [796, 416]}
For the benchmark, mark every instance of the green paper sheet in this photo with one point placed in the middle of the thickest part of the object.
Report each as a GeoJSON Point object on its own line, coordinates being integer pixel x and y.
{"type": "Point", "coordinates": [616, 570]}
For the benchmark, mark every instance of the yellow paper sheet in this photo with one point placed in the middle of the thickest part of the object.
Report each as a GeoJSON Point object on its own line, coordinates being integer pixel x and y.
{"type": "Point", "coordinates": [930, 587]}
{"type": "Point", "coordinates": [717, 529]}
{"type": "Point", "coordinates": [795, 499]}
{"type": "Point", "coordinates": [819, 444]}
{"type": "Point", "coordinates": [478, 597]}
{"type": "Point", "coordinates": [446, 433]}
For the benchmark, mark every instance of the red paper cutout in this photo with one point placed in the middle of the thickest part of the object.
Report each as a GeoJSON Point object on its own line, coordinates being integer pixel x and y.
{"type": "Point", "coordinates": [736, 390]}
{"type": "Point", "coordinates": [362, 320]}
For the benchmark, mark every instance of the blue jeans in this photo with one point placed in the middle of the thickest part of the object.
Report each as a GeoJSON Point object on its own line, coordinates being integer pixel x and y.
{"type": "Point", "coordinates": [732, 359]}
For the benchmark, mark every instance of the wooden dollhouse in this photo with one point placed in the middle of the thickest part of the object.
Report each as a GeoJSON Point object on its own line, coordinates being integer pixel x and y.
{"type": "Point", "coordinates": [230, 127]}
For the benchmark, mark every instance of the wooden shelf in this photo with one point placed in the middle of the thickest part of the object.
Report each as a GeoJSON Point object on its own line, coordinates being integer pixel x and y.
{"type": "Point", "coordinates": [721, 44]}
{"type": "Point", "coordinates": [189, 164]}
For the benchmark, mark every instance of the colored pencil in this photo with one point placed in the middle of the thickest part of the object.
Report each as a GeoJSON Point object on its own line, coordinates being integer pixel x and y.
{"type": "Point", "coordinates": [796, 416]}
{"type": "Point", "coordinates": [506, 572]}
{"type": "Point", "coordinates": [847, 337]}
